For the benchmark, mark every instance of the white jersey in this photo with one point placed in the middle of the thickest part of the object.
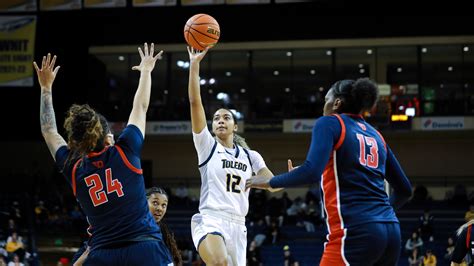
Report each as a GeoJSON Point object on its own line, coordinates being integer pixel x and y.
{"type": "Point", "coordinates": [223, 174]}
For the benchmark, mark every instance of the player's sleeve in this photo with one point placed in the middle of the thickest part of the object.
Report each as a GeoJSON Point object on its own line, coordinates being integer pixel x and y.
{"type": "Point", "coordinates": [397, 179]}
{"type": "Point", "coordinates": [326, 132]}
{"type": "Point", "coordinates": [130, 144]}
{"type": "Point", "coordinates": [205, 144]}
{"type": "Point", "coordinates": [131, 140]}
{"type": "Point", "coordinates": [61, 158]}
{"type": "Point", "coordinates": [460, 249]}
{"type": "Point", "coordinates": [258, 163]}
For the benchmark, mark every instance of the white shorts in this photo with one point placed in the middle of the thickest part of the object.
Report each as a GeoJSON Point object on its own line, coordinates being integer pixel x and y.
{"type": "Point", "coordinates": [230, 227]}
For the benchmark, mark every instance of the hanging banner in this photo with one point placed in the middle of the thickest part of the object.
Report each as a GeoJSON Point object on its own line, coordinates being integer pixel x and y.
{"type": "Point", "coordinates": [48, 5]}
{"type": "Point", "coordinates": [140, 3]}
{"type": "Point", "coordinates": [17, 42]}
{"type": "Point", "coordinates": [104, 3]}
{"type": "Point", "coordinates": [17, 5]}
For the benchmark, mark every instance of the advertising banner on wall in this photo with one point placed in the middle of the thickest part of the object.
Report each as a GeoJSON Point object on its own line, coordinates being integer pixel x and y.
{"type": "Point", "coordinates": [17, 42]}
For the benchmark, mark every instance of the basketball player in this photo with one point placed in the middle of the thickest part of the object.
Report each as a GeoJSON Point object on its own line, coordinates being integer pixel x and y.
{"type": "Point", "coordinates": [107, 180]}
{"type": "Point", "coordinates": [351, 160]}
{"type": "Point", "coordinates": [157, 204]}
{"type": "Point", "coordinates": [464, 245]}
{"type": "Point", "coordinates": [218, 230]}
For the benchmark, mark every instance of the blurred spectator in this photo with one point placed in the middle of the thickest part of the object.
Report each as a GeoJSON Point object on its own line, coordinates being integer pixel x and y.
{"type": "Point", "coordinates": [285, 201]}
{"type": "Point", "coordinates": [15, 212]}
{"type": "Point", "coordinates": [420, 194]}
{"type": "Point", "coordinates": [2, 261]}
{"type": "Point", "coordinates": [258, 230]}
{"type": "Point", "coordinates": [449, 249]}
{"type": "Point", "coordinates": [289, 260]}
{"type": "Point", "coordinates": [41, 213]}
{"type": "Point", "coordinates": [253, 255]}
{"type": "Point", "coordinates": [429, 259]}
{"type": "Point", "coordinates": [296, 211]}
{"type": "Point", "coordinates": [16, 261]}
{"type": "Point", "coordinates": [426, 226]}
{"type": "Point", "coordinates": [274, 211]}
{"type": "Point", "coordinates": [11, 227]}
{"type": "Point", "coordinates": [413, 242]}
{"type": "Point", "coordinates": [273, 234]}
{"type": "Point", "coordinates": [414, 259]}
{"type": "Point", "coordinates": [15, 245]}
{"type": "Point", "coordinates": [469, 214]}
{"type": "Point", "coordinates": [459, 195]}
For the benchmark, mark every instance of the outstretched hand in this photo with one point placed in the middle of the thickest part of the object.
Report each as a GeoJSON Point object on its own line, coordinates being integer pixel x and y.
{"type": "Point", "coordinates": [195, 55]}
{"type": "Point", "coordinates": [261, 182]}
{"type": "Point", "coordinates": [148, 60]}
{"type": "Point", "coordinates": [47, 72]}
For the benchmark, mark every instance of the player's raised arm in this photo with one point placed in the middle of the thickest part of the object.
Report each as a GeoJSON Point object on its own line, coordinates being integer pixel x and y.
{"type": "Point", "coordinates": [142, 96]}
{"type": "Point", "coordinates": [46, 75]}
{"type": "Point", "coordinates": [198, 116]}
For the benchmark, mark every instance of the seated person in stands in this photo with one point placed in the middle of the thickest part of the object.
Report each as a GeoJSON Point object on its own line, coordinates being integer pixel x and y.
{"type": "Point", "coordinates": [429, 259]}
{"type": "Point", "coordinates": [289, 259]}
{"type": "Point", "coordinates": [427, 226]}
{"type": "Point", "coordinates": [415, 259]}
{"type": "Point", "coordinates": [15, 246]}
{"type": "Point", "coordinates": [414, 242]}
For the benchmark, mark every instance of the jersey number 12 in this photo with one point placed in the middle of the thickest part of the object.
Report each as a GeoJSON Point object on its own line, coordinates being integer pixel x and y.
{"type": "Point", "coordinates": [233, 182]}
{"type": "Point", "coordinates": [96, 188]}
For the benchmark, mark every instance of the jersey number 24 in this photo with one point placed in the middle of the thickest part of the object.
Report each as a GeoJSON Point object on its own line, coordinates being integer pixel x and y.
{"type": "Point", "coordinates": [370, 160]}
{"type": "Point", "coordinates": [96, 187]}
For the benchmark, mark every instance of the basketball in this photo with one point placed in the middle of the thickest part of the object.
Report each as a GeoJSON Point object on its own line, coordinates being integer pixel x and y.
{"type": "Point", "coordinates": [201, 31]}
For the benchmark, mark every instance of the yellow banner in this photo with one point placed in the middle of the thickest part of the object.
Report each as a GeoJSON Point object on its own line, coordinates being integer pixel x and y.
{"type": "Point", "coordinates": [17, 5]}
{"type": "Point", "coordinates": [105, 3]}
{"type": "Point", "coordinates": [60, 4]}
{"type": "Point", "coordinates": [17, 43]}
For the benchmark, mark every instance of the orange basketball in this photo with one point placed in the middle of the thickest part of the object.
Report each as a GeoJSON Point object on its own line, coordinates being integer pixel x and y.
{"type": "Point", "coordinates": [201, 31]}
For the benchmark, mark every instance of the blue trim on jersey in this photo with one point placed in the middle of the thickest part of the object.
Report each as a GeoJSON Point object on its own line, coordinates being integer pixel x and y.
{"type": "Point", "coordinates": [248, 156]}
{"type": "Point", "coordinates": [237, 153]}
{"type": "Point", "coordinates": [210, 155]}
{"type": "Point", "coordinates": [211, 233]}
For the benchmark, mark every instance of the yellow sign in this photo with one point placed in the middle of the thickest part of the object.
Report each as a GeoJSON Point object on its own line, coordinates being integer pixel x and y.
{"type": "Point", "coordinates": [17, 42]}
{"type": "Point", "coordinates": [399, 118]}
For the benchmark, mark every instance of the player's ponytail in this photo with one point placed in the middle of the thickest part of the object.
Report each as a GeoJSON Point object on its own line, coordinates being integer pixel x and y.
{"type": "Point", "coordinates": [84, 130]}
{"type": "Point", "coordinates": [239, 140]}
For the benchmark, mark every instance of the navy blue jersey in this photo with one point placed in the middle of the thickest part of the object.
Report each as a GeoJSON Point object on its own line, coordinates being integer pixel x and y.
{"type": "Point", "coordinates": [110, 188]}
{"type": "Point", "coordinates": [464, 245]}
{"type": "Point", "coordinates": [351, 160]}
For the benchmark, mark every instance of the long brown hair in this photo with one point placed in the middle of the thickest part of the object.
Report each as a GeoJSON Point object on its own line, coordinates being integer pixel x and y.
{"type": "Point", "coordinates": [168, 236]}
{"type": "Point", "coordinates": [85, 130]}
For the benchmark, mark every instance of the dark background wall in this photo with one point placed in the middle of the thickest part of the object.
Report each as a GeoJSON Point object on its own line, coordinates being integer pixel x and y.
{"type": "Point", "coordinates": [69, 34]}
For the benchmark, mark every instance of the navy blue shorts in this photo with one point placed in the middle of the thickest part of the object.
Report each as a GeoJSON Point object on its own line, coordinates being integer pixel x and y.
{"type": "Point", "coordinates": [368, 244]}
{"type": "Point", "coordinates": [134, 254]}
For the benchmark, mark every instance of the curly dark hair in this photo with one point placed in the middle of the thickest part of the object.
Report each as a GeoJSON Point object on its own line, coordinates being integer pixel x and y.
{"type": "Point", "coordinates": [85, 129]}
{"type": "Point", "coordinates": [168, 236]}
